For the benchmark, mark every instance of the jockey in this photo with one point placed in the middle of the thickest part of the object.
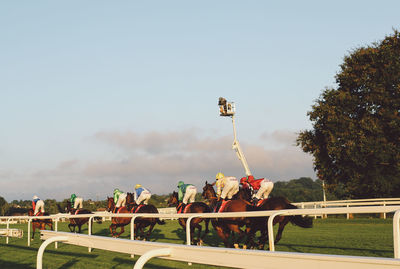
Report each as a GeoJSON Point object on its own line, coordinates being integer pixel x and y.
{"type": "Point", "coordinates": [37, 204]}
{"type": "Point", "coordinates": [263, 185]}
{"type": "Point", "coordinates": [186, 192]}
{"type": "Point", "coordinates": [119, 198]}
{"type": "Point", "coordinates": [141, 195]}
{"type": "Point", "coordinates": [76, 201]}
{"type": "Point", "coordinates": [226, 186]}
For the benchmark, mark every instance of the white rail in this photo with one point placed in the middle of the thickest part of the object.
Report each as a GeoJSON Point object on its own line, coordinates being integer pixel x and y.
{"type": "Point", "coordinates": [271, 214]}
{"type": "Point", "coordinates": [215, 256]}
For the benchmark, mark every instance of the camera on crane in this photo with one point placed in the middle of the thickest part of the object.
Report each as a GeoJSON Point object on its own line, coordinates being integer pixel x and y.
{"type": "Point", "coordinates": [226, 109]}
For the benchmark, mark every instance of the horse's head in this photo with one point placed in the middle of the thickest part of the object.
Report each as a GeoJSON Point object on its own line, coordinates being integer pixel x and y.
{"type": "Point", "coordinates": [208, 191]}
{"type": "Point", "coordinates": [129, 198]}
{"type": "Point", "coordinates": [110, 204]}
{"type": "Point", "coordinates": [173, 199]}
{"type": "Point", "coordinates": [244, 194]}
{"type": "Point", "coordinates": [30, 212]}
{"type": "Point", "coordinates": [69, 207]}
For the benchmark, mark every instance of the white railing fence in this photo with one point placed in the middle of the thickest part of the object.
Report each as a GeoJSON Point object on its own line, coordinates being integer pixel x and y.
{"type": "Point", "coordinates": [270, 214]}
{"type": "Point", "coordinates": [214, 256]}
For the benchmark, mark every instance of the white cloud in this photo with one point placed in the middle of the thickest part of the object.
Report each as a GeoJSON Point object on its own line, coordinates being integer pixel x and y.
{"type": "Point", "coordinates": [158, 161]}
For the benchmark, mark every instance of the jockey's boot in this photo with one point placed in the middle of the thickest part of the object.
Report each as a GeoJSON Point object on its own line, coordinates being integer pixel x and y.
{"type": "Point", "coordinates": [255, 201]}
{"type": "Point", "coordinates": [218, 205]}
{"type": "Point", "coordinates": [183, 207]}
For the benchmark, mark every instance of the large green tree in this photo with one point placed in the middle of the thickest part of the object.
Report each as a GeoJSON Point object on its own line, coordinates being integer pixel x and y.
{"type": "Point", "coordinates": [355, 140]}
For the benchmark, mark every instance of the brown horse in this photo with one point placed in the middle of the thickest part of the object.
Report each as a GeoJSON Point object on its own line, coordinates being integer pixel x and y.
{"type": "Point", "coordinates": [224, 226]}
{"type": "Point", "coordinates": [260, 223]}
{"type": "Point", "coordinates": [276, 203]}
{"type": "Point", "coordinates": [196, 207]}
{"type": "Point", "coordinates": [117, 222]}
{"type": "Point", "coordinates": [39, 223]}
{"type": "Point", "coordinates": [73, 222]}
{"type": "Point", "coordinates": [142, 223]}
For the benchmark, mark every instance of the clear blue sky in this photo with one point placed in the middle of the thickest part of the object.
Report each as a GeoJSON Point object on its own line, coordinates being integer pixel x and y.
{"type": "Point", "coordinates": [102, 94]}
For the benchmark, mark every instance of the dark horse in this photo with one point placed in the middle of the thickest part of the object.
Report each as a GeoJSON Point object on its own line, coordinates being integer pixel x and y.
{"type": "Point", "coordinates": [196, 207]}
{"type": "Point", "coordinates": [260, 224]}
{"type": "Point", "coordinates": [73, 222]}
{"type": "Point", "coordinates": [224, 226]}
{"type": "Point", "coordinates": [117, 222]}
{"type": "Point", "coordinates": [142, 223]}
{"type": "Point", "coordinates": [40, 223]}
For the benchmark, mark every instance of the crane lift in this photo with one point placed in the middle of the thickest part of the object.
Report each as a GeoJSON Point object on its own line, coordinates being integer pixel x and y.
{"type": "Point", "coordinates": [227, 109]}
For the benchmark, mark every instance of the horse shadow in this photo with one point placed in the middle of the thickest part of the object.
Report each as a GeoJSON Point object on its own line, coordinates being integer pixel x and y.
{"type": "Point", "coordinates": [211, 239]}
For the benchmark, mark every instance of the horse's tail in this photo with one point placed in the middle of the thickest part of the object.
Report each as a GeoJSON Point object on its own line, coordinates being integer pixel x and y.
{"type": "Point", "coordinates": [304, 222]}
{"type": "Point", "coordinates": [60, 209]}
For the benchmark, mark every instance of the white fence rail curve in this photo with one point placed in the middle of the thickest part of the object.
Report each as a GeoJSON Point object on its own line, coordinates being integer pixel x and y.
{"type": "Point", "coordinates": [214, 256]}
{"type": "Point", "coordinates": [271, 214]}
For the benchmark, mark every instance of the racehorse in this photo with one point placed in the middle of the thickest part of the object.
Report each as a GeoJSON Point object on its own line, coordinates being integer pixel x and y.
{"type": "Point", "coordinates": [196, 207]}
{"type": "Point", "coordinates": [39, 223]}
{"type": "Point", "coordinates": [142, 223]}
{"type": "Point", "coordinates": [117, 222]}
{"type": "Point", "coordinates": [224, 226]}
{"type": "Point", "coordinates": [273, 203]}
{"type": "Point", "coordinates": [73, 222]}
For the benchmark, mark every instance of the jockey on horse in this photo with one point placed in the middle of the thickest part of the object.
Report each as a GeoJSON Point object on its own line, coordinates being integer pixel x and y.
{"type": "Point", "coordinates": [119, 198]}
{"type": "Point", "coordinates": [76, 201]}
{"type": "Point", "coordinates": [186, 192]}
{"type": "Point", "coordinates": [226, 188]}
{"type": "Point", "coordinates": [37, 204]}
{"type": "Point", "coordinates": [263, 187]}
{"type": "Point", "coordinates": [141, 195]}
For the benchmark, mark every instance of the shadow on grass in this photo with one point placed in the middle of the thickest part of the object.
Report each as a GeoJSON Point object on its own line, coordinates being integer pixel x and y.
{"type": "Point", "coordinates": [4, 264]}
{"type": "Point", "coordinates": [53, 251]}
{"type": "Point", "coordinates": [298, 248]}
{"type": "Point", "coordinates": [123, 261]}
{"type": "Point", "coordinates": [69, 264]}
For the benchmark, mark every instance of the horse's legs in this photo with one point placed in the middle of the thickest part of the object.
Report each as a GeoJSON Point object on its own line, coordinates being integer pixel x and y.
{"type": "Point", "coordinates": [147, 236]}
{"type": "Point", "coordinates": [112, 229]}
{"type": "Point", "coordinates": [206, 221]}
{"type": "Point", "coordinates": [33, 230]}
{"type": "Point", "coordinates": [197, 226]}
{"type": "Point", "coordinates": [282, 225]}
{"type": "Point", "coordinates": [236, 230]}
{"type": "Point", "coordinates": [122, 230]}
{"type": "Point", "coordinates": [223, 234]}
{"type": "Point", "coordinates": [79, 228]}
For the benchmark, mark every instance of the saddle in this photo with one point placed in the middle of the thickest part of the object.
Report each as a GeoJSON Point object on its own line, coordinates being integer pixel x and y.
{"type": "Point", "coordinates": [221, 208]}
{"type": "Point", "coordinates": [182, 208]}
{"type": "Point", "coordinates": [136, 209]}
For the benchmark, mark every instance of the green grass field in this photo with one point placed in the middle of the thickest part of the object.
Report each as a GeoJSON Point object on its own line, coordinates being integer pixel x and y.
{"type": "Point", "coordinates": [359, 237]}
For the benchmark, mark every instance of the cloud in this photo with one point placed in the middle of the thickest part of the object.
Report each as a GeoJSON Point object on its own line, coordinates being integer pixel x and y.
{"type": "Point", "coordinates": [158, 161]}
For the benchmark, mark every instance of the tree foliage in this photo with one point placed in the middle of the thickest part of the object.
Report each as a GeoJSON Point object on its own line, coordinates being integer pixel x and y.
{"type": "Point", "coordinates": [303, 189]}
{"type": "Point", "coordinates": [355, 140]}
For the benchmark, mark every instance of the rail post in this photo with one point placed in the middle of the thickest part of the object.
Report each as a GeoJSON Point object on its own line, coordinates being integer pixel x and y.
{"type": "Point", "coordinates": [396, 234]}
{"type": "Point", "coordinates": [151, 254]}
{"type": "Point", "coordinates": [39, 257]}
{"type": "Point", "coordinates": [271, 229]}
{"type": "Point", "coordinates": [29, 231]}
{"type": "Point", "coordinates": [56, 228]}
{"type": "Point", "coordinates": [188, 239]}
{"type": "Point", "coordinates": [90, 230]}
{"type": "Point", "coordinates": [8, 227]}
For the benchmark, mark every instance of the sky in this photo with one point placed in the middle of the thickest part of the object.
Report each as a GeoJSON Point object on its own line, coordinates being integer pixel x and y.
{"type": "Point", "coordinates": [97, 95]}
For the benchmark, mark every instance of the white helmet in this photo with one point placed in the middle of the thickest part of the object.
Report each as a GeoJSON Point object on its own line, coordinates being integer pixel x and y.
{"type": "Point", "coordinates": [35, 197]}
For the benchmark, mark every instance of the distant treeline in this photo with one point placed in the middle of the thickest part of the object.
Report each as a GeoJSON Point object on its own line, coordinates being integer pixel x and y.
{"type": "Point", "coordinates": [303, 189]}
